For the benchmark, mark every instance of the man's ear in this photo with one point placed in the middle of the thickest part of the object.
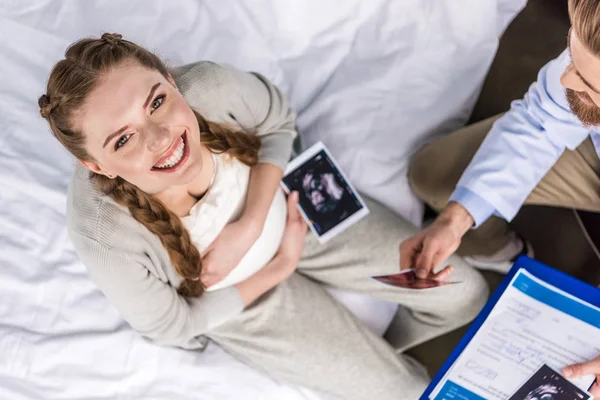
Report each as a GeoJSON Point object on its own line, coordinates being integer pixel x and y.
{"type": "Point", "coordinates": [95, 168]}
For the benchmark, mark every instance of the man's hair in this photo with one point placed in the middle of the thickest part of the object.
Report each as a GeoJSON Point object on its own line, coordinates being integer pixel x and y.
{"type": "Point", "coordinates": [585, 19]}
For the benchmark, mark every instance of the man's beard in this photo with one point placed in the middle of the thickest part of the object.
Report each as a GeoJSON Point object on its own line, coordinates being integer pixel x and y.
{"type": "Point", "coordinates": [589, 115]}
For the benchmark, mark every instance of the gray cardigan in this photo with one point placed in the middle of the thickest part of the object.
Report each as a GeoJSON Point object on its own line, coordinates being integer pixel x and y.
{"type": "Point", "coordinates": [127, 261]}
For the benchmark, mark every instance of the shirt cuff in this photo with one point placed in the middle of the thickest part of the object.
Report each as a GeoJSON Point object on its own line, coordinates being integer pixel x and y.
{"type": "Point", "coordinates": [479, 209]}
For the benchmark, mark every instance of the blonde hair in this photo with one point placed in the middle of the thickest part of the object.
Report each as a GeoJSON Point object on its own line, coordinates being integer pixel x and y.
{"type": "Point", "coordinates": [585, 20]}
{"type": "Point", "coordinates": [71, 81]}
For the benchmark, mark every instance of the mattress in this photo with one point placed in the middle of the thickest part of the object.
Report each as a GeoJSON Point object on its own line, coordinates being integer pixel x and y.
{"type": "Point", "coordinates": [371, 79]}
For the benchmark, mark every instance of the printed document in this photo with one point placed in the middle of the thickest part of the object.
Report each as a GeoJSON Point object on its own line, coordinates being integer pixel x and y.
{"type": "Point", "coordinates": [533, 323]}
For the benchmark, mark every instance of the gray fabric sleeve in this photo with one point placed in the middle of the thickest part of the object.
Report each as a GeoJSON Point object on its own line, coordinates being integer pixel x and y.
{"type": "Point", "coordinates": [151, 306]}
{"type": "Point", "coordinates": [247, 100]}
{"type": "Point", "coordinates": [275, 121]}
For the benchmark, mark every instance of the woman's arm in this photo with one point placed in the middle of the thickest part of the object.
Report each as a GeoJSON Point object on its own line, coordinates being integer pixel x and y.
{"type": "Point", "coordinates": [265, 279]}
{"type": "Point", "coordinates": [284, 263]}
{"type": "Point", "coordinates": [263, 110]}
{"type": "Point", "coordinates": [257, 107]}
{"type": "Point", "coordinates": [264, 182]}
{"type": "Point", "coordinates": [153, 307]}
{"type": "Point", "coordinates": [221, 256]}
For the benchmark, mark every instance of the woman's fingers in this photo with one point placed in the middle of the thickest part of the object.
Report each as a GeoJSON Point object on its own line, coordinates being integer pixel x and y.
{"type": "Point", "coordinates": [293, 212]}
{"type": "Point", "coordinates": [595, 389]}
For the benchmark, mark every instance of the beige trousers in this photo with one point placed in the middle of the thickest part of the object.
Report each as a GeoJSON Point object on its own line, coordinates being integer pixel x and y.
{"type": "Point", "coordinates": [298, 333]}
{"type": "Point", "coordinates": [435, 169]}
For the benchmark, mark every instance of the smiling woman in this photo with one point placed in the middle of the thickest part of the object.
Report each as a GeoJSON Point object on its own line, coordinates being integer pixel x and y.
{"type": "Point", "coordinates": [160, 128]}
{"type": "Point", "coordinates": [173, 166]}
{"type": "Point", "coordinates": [130, 163]}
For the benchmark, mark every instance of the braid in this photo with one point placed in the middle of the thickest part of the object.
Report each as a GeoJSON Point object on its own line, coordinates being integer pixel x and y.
{"type": "Point", "coordinates": [220, 139]}
{"type": "Point", "coordinates": [47, 105]}
{"type": "Point", "coordinates": [112, 39]}
{"type": "Point", "coordinates": [155, 216]}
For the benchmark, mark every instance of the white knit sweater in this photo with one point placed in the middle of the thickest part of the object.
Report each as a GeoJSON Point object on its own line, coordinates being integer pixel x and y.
{"type": "Point", "coordinates": [130, 264]}
{"type": "Point", "coordinates": [224, 203]}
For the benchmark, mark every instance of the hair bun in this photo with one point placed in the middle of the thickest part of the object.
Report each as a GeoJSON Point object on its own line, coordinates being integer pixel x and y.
{"type": "Point", "coordinates": [112, 38]}
{"type": "Point", "coordinates": [46, 106]}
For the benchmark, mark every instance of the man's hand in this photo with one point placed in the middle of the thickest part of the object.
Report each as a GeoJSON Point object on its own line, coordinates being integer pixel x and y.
{"type": "Point", "coordinates": [587, 368]}
{"type": "Point", "coordinates": [434, 244]}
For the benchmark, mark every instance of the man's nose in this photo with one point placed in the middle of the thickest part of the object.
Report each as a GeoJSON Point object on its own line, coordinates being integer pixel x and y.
{"type": "Point", "coordinates": [570, 80]}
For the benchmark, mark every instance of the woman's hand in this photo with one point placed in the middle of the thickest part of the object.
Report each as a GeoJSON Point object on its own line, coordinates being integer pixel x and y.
{"type": "Point", "coordinates": [292, 243]}
{"type": "Point", "coordinates": [587, 368]}
{"type": "Point", "coordinates": [227, 250]}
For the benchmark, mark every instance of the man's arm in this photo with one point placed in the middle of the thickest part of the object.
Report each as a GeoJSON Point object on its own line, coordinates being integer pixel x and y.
{"type": "Point", "coordinates": [521, 148]}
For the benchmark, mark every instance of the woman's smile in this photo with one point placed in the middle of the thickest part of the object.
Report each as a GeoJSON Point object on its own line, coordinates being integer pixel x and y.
{"type": "Point", "coordinates": [175, 157]}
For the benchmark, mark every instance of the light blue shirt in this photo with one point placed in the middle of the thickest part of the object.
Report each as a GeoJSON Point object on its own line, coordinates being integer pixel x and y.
{"type": "Point", "coordinates": [521, 148]}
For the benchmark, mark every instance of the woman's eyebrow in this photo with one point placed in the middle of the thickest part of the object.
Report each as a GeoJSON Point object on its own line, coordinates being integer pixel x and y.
{"type": "Point", "coordinates": [112, 135]}
{"type": "Point", "coordinates": [151, 94]}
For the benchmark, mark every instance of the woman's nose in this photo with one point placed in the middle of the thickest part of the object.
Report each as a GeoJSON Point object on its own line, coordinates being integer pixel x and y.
{"type": "Point", "coordinates": [158, 138]}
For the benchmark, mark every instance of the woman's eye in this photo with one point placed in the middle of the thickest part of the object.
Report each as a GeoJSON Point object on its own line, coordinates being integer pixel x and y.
{"type": "Point", "coordinates": [122, 140]}
{"type": "Point", "coordinates": [157, 102]}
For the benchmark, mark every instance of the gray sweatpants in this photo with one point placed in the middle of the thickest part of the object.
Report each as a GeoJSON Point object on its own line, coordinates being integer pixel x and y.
{"type": "Point", "coordinates": [298, 333]}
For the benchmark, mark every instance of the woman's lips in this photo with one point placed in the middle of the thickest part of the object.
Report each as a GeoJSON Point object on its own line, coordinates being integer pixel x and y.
{"type": "Point", "coordinates": [182, 160]}
{"type": "Point", "coordinates": [170, 151]}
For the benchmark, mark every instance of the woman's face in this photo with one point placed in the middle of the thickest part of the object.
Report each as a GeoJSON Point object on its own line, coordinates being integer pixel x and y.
{"type": "Point", "coordinates": [138, 126]}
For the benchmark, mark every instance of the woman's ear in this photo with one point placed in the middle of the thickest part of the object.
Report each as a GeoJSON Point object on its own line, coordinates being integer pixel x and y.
{"type": "Point", "coordinates": [95, 168]}
{"type": "Point", "coordinates": [172, 81]}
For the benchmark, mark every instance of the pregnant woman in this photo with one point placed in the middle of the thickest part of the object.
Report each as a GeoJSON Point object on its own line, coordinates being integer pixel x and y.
{"type": "Point", "coordinates": [176, 211]}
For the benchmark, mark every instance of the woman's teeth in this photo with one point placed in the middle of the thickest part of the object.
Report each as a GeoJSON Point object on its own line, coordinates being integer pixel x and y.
{"type": "Point", "coordinates": [174, 159]}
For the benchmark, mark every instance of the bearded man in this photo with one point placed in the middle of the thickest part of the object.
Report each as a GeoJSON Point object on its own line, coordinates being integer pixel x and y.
{"type": "Point", "coordinates": [543, 151]}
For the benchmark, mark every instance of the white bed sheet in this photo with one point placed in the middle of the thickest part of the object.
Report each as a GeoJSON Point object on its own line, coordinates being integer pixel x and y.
{"type": "Point", "coordinates": [372, 79]}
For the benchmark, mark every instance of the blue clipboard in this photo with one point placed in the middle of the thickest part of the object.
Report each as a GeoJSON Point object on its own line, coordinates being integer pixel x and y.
{"type": "Point", "coordinates": [567, 283]}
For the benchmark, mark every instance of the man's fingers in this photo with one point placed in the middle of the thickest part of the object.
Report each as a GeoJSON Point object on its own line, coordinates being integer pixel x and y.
{"type": "Point", "coordinates": [586, 368]}
{"type": "Point", "coordinates": [439, 258]}
{"type": "Point", "coordinates": [408, 250]}
{"type": "Point", "coordinates": [443, 274]}
{"type": "Point", "coordinates": [424, 264]}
